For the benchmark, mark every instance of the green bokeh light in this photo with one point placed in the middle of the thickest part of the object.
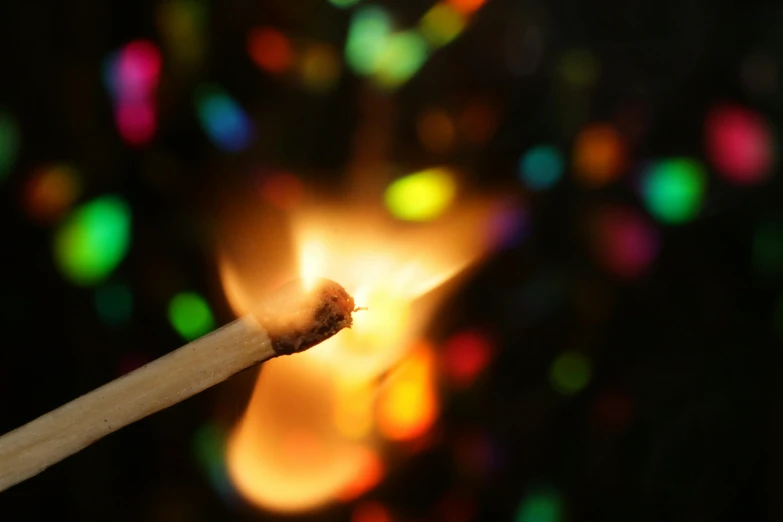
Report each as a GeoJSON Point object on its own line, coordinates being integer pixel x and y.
{"type": "Point", "coordinates": [9, 143]}
{"type": "Point", "coordinates": [190, 315]}
{"type": "Point", "coordinates": [673, 190]}
{"type": "Point", "coordinates": [421, 196]}
{"type": "Point", "coordinates": [368, 37]}
{"type": "Point", "coordinates": [570, 373]}
{"type": "Point", "coordinates": [342, 4]}
{"type": "Point", "coordinates": [579, 67]}
{"type": "Point", "coordinates": [93, 240]}
{"type": "Point", "coordinates": [403, 55]}
{"type": "Point", "coordinates": [114, 303]}
{"type": "Point", "coordinates": [542, 505]}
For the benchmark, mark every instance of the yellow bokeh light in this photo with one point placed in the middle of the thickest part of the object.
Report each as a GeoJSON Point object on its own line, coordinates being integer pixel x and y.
{"type": "Point", "coordinates": [320, 67]}
{"type": "Point", "coordinates": [421, 196]}
{"type": "Point", "coordinates": [442, 24]}
{"type": "Point", "coordinates": [408, 407]}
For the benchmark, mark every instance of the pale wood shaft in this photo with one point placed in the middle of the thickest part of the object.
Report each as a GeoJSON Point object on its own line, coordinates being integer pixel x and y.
{"type": "Point", "coordinates": [205, 362]}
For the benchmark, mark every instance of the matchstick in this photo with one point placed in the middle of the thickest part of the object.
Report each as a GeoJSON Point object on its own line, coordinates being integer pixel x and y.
{"type": "Point", "coordinates": [293, 319]}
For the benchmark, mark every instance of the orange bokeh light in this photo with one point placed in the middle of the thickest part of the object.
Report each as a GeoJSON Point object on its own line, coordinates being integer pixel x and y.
{"type": "Point", "coordinates": [50, 192]}
{"type": "Point", "coordinates": [466, 6]}
{"type": "Point", "coordinates": [599, 155]}
{"type": "Point", "coordinates": [269, 49]}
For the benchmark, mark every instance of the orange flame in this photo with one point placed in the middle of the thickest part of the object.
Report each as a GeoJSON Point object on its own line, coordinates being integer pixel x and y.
{"type": "Point", "coordinates": [313, 429]}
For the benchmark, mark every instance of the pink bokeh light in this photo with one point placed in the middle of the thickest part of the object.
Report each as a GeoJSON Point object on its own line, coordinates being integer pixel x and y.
{"type": "Point", "coordinates": [739, 144]}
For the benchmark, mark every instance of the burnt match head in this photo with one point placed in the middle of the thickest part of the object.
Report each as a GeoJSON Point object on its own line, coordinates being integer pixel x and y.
{"type": "Point", "coordinates": [301, 314]}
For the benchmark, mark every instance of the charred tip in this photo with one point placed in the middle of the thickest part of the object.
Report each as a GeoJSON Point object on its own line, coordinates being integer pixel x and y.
{"type": "Point", "coordinates": [299, 316]}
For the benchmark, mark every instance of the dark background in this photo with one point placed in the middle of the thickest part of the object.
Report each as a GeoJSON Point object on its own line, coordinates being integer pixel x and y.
{"type": "Point", "coordinates": [687, 352]}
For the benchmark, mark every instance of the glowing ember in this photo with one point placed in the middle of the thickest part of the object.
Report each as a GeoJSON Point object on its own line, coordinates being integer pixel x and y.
{"type": "Point", "coordinates": [310, 435]}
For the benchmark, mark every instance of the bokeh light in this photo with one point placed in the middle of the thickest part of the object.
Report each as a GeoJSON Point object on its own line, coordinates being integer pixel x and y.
{"type": "Point", "coordinates": [367, 39]}
{"type": "Point", "coordinates": [114, 303]}
{"type": "Point", "coordinates": [190, 315]}
{"type": "Point", "coordinates": [342, 4]}
{"type": "Point", "coordinates": [435, 130]}
{"type": "Point", "coordinates": [509, 225]}
{"type": "Point", "coordinates": [9, 143]}
{"type": "Point", "coordinates": [541, 167]}
{"type": "Point", "coordinates": [269, 49]}
{"type": "Point", "coordinates": [739, 144]}
{"type": "Point", "coordinates": [223, 119]}
{"type": "Point", "coordinates": [136, 122]}
{"type": "Point", "coordinates": [570, 372]}
{"type": "Point", "coordinates": [182, 25]}
{"type": "Point", "coordinates": [408, 405]}
{"type": "Point", "coordinates": [599, 155]}
{"type": "Point", "coordinates": [624, 241]}
{"type": "Point", "coordinates": [320, 67]}
{"type": "Point", "coordinates": [540, 505]}
{"type": "Point", "coordinates": [466, 7]}
{"type": "Point", "coordinates": [405, 52]}
{"type": "Point", "coordinates": [673, 189]}
{"type": "Point", "coordinates": [579, 67]}
{"type": "Point", "coordinates": [421, 196]}
{"type": "Point", "coordinates": [93, 240]}
{"type": "Point", "coordinates": [464, 356]}
{"type": "Point", "coordinates": [441, 24]}
{"type": "Point", "coordinates": [132, 75]}
{"type": "Point", "coordinates": [50, 191]}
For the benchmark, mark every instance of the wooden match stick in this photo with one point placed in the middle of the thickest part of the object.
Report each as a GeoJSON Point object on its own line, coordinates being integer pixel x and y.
{"type": "Point", "coordinates": [293, 319]}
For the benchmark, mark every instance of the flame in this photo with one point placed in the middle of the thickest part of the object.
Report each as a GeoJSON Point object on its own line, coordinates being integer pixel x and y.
{"type": "Point", "coordinates": [313, 431]}
{"type": "Point", "coordinates": [320, 425]}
